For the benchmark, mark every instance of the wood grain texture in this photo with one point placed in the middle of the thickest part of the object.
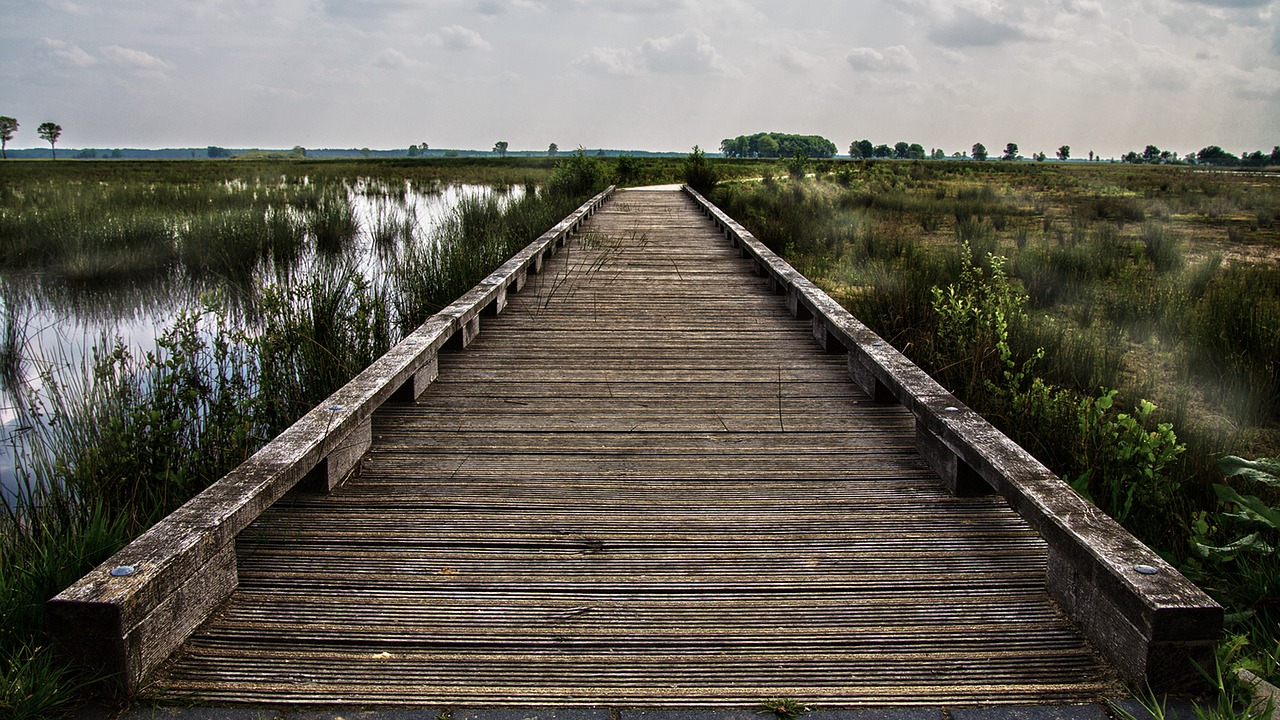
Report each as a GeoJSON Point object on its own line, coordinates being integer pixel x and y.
{"type": "Point", "coordinates": [642, 483]}
{"type": "Point", "coordinates": [1155, 625]}
{"type": "Point", "coordinates": [98, 619]}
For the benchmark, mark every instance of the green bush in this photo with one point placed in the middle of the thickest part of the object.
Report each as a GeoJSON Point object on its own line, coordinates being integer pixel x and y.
{"type": "Point", "coordinates": [1129, 460]}
{"type": "Point", "coordinates": [699, 173]}
{"type": "Point", "coordinates": [577, 175]}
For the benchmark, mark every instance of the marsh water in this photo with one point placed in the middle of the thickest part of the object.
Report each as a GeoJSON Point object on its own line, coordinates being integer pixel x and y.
{"type": "Point", "coordinates": [52, 327]}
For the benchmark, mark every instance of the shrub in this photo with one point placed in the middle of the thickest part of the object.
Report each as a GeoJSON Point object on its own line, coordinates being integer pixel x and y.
{"type": "Point", "coordinates": [577, 175]}
{"type": "Point", "coordinates": [699, 173]}
{"type": "Point", "coordinates": [798, 165]}
{"type": "Point", "coordinates": [1162, 247]}
{"type": "Point", "coordinates": [1129, 459]}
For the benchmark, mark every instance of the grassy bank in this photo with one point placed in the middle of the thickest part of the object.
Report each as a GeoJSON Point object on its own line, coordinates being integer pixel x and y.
{"type": "Point", "coordinates": [1122, 324]}
{"type": "Point", "coordinates": [133, 435]}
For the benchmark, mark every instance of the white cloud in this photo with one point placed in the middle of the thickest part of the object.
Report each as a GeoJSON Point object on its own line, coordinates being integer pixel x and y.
{"type": "Point", "coordinates": [1257, 84]}
{"type": "Point", "coordinates": [690, 53]}
{"type": "Point", "coordinates": [392, 59]}
{"type": "Point", "coordinates": [72, 8]}
{"type": "Point", "coordinates": [608, 61]}
{"type": "Point", "coordinates": [1084, 8]}
{"type": "Point", "coordinates": [501, 7]}
{"type": "Point", "coordinates": [366, 8]}
{"type": "Point", "coordinates": [1230, 4]}
{"type": "Point", "coordinates": [796, 61]}
{"type": "Point", "coordinates": [966, 28]}
{"type": "Point", "coordinates": [66, 53]}
{"type": "Point", "coordinates": [617, 7]}
{"type": "Point", "coordinates": [459, 38]}
{"type": "Point", "coordinates": [132, 59]}
{"type": "Point", "coordinates": [1091, 73]}
{"type": "Point", "coordinates": [277, 93]}
{"type": "Point", "coordinates": [896, 58]}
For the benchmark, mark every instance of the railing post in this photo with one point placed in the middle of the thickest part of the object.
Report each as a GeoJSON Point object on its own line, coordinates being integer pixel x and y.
{"type": "Point", "coordinates": [127, 616]}
{"type": "Point", "coordinates": [1149, 621]}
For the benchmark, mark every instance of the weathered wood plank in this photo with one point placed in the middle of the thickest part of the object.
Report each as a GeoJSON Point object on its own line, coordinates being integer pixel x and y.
{"type": "Point", "coordinates": [152, 601]}
{"type": "Point", "coordinates": [642, 481]}
{"type": "Point", "coordinates": [1153, 623]}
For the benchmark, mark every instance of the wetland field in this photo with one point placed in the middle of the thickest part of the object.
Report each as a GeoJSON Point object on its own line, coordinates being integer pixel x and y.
{"type": "Point", "coordinates": [161, 320]}
{"type": "Point", "coordinates": [1120, 322]}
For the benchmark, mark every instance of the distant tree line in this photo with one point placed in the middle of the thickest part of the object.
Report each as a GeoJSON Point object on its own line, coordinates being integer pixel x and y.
{"type": "Point", "coordinates": [773, 145]}
{"type": "Point", "coordinates": [865, 150]}
{"type": "Point", "coordinates": [1211, 155]}
{"type": "Point", "coordinates": [1152, 155]}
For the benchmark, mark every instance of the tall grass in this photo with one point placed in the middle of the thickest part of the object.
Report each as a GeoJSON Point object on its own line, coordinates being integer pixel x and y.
{"type": "Point", "coordinates": [1113, 304]}
{"type": "Point", "coordinates": [1118, 294]}
{"type": "Point", "coordinates": [480, 234]}
{"type": "Point", "coordinates": [136, 434]}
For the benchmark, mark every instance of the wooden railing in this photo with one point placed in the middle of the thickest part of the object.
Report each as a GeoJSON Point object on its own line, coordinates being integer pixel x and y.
{"type": "Point", "coordinates": [128, 615]}
{"type": "Point", "coordinates": [1152, 623]}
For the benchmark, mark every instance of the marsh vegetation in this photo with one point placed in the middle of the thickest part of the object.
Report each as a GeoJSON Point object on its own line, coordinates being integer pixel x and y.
{"type": "Point", "coordinates": [162, 321]}
{"type": "Point", "coordinates": [1121, 323]}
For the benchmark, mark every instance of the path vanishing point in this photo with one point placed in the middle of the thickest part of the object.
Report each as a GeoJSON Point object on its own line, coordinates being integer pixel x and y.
{"type": "Point", "coordinates": [645, 463]}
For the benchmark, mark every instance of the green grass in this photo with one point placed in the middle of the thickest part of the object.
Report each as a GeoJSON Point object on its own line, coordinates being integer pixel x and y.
{"type": "Point", "coordinates": [135, 435]}
{"type": "Point", "coordinates": [1121, 276]}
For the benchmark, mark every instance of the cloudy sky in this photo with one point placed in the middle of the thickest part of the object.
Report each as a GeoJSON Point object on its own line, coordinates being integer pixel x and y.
{"type": "Point", "coordinates": [1103, 75]}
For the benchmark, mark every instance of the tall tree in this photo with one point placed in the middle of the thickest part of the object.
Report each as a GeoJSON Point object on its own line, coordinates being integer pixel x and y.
{"type": "Point", "coordinates": [979, 152]}
{"type": "Point", "coordinates": [552, 150]}
{"type": "Point", "coordinates": [1151, 154]}
{"type": "Point", "coordinates": [50, 132]}
{"type": "Point", "coordinates": [861, 149]}
{"type": "Point", "coordinates": [8, 126]}
{"type": "Point", "coordinates": [900, 150]}
{"type": "Point", "coordinates": [500, 147]}
{"type": "Point", "coordinates": [1010, 152]}
{"type": "Point", "coordinates": [882, 151]}
{"type": "Point", "coordinates": [1064, 152]}
{"type": "Point", "coordinates": [1214, 155]}
{"type": "Point", "coordinates": [915, 151]}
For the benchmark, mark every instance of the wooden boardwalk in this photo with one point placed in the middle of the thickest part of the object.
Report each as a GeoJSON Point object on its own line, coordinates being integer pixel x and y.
{"type": "Point", "coordinates": [644, 483]}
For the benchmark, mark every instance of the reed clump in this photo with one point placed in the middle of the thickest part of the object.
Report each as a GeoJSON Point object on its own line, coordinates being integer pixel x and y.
{"type": "Point", "coordinates": [1098, 325]}
{"type": "Point", "coordinates": [116, 447]}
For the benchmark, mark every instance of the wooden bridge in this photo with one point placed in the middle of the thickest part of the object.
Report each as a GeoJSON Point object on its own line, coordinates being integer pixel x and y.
{"type": "Point", "coordinates": [669, 471]}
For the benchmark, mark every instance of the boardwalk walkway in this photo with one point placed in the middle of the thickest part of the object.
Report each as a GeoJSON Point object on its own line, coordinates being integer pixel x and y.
{"type": "Point", "coordinates": [643, 483]}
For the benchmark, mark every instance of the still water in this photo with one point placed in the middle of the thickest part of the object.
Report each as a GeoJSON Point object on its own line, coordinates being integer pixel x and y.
{"type": "Point", "coordinates": [58, 326]}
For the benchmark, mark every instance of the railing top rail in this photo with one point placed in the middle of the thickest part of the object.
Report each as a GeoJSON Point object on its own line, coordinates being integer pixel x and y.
{"type": "Point", "coordinates": [1111, 566]}
{"type": "Point", "coordinates": [166, 556]}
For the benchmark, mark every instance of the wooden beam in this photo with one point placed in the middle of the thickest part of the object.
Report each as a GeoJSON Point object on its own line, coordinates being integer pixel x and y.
{"type": "Point", "coordinates": [125, 624]}
{"type": "Point", "coordinates": [1141, 613]}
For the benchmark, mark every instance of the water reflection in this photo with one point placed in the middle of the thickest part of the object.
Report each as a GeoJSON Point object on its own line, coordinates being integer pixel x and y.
{"type": "Point", "coordinates": [51, 323]}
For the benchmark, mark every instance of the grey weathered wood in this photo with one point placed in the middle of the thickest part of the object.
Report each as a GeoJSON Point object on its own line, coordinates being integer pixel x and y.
{"type": "Point", "coordinates": [956, 475]}
{"type": "Point", "coordinates": [341, 460]}
{"type": "Point", "coordinates": [642, 483]}
{"type": "Point", "coordinates": [1156, 628]}
{"type": "Point", "coordinates": [416, 384]}
{"type": "Point", "coordinates": [126, 626]}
